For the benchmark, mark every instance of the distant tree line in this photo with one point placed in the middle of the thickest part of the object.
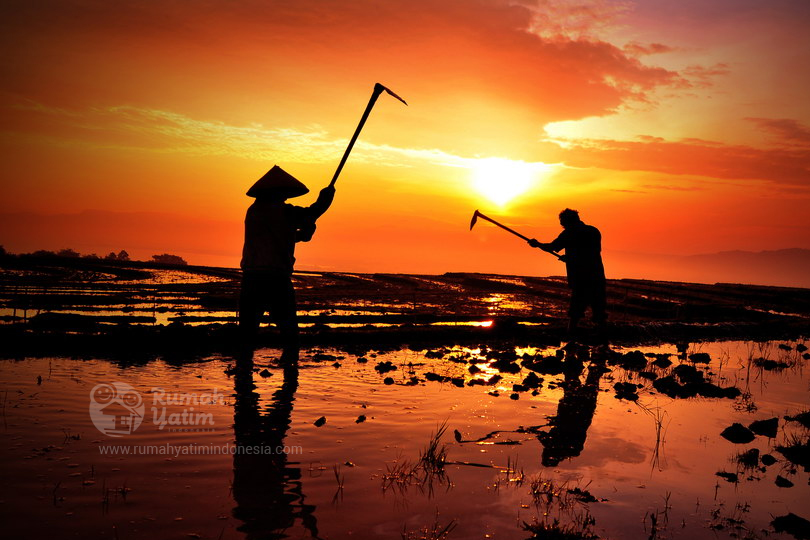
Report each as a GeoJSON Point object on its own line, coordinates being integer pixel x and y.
{"type": "Point", "coordinates": [121, 256]}
{"type": "Point", "coordinates": [166, 258]}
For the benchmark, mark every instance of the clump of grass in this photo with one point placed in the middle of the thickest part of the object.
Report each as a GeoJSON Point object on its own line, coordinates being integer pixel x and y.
{"type": "Point", "coordinates": [56, 497]}
{"type": "Point", "coordinates": [659, 519]}
{"type": "Point", "coordinates": [734, 523]}
{"type": "Point", "coordinates": [109, 494]}
{"type": "Point", "coordinates": [658, 415]}
{"type": "Point", "coordinates": [802, 418]}
{"type": "Point", "coordinates": [399, 476]}
{"type": "Point", "coordinates": [556, 531]}
{"type": "Point", "coordinates": [340, 482]}
{"type": "Point", "coordinates": [552, 497]}
{"type": "Point", "coordinates": [434, 457]}
{"type": "Point", "coordinates": [514, 474]}
{"type": "Point", "coordinates": [428, 470]}
{"type": "Point", "coordinates": [748, 459]}
{"type": "Point", "coordinates": [338, 476]}
{"type": "Point", "coordinates": [796, 450]}
{"type": "Point", "coordinates": [546, 492]}
{"type": "Point", "coordinates": [434, 532]}
{"type": "Point", "coordinates": [771, 365]}
{"type": "Point", "coordinates": [70, 436]}
{"type": "Point", "coordinates": [745, 403]}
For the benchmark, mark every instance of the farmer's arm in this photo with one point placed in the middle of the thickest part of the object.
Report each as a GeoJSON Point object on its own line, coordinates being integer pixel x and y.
{"type": "Point", "coordinates": [555, 245]}
{"type": "Point", "coordinates": [558, 243]}
{"type": "Point", "coordinates": [325, 198]}
{"type": "Point", "coordinates": [305, 217]}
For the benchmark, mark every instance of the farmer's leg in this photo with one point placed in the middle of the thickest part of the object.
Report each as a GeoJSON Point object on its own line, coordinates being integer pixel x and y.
{"type": "Point", "coordinates": [577, 308]}
{"type": "Point", "coordinates": [599, 310]}
{"type": "Point", "coordinates": [599, 303]}
{"type": "Point", "coordinates": [252, 303]}
{"type": "Point", "coordinates": [283, 309]}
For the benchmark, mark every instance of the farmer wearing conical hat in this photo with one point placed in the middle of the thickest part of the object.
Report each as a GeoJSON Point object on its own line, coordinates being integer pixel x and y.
{"type": "Point", "coordinates": [272, 227]}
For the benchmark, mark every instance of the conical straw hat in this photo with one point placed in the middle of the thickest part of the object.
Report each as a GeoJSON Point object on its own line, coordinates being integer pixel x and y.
{"type": "Point", "coordinates": [278, 182]}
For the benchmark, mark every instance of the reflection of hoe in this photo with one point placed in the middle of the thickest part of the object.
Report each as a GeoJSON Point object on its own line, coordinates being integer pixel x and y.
{"type": "Point", "coordinates": [378, 89]}
{"type": "Point", "coordinates": [478, 214]}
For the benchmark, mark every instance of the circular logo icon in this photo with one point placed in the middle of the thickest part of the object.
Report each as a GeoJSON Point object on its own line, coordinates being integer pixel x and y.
{"type": "Point", "coordinates": [116, 408]}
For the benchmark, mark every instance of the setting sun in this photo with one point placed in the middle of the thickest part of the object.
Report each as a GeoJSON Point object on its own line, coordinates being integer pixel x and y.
{"type": "Point", "coordinates": [501, 180]}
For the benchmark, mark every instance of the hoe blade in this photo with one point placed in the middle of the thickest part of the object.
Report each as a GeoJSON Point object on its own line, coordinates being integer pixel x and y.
{"type": "Point", "coordinates": [474, 219]}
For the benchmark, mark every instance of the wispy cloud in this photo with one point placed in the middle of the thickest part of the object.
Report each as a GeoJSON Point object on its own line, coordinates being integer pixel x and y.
{"type": "Point", "coordinates": [704, 76]}
{"type": "Point", "coordinates": [784, 129]}
{"type": "Point", "coordinates": [174, 132]}
{"type": "Point", "coordinates": [644, 49]}
{"type": "Point", "coordinates": [788, 166]}
{"type": "Point", "coordinates": [577, 19]}
{"type": "Point", "coordinates": [161, 131]}
{"type": "Point", "coordinates": [154, 130]}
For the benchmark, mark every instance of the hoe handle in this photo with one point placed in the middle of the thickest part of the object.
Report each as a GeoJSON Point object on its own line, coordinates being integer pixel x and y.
{"type": "Point", "coordinates": [502, 226]}
{"type": "Point", "coordinates": [378, 89]}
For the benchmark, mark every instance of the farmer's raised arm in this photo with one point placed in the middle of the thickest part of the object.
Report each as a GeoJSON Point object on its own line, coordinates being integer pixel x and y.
{"type": "Point", "coordinates": [322, 204]}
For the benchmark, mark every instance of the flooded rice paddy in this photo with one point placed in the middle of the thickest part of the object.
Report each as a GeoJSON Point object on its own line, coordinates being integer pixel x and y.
{"type": "Point", "coordinates": [161, 297]}
{"type": "Point", "coordinates": [470, 442]}
{"type": "Point", "coordinates": [83, 294]}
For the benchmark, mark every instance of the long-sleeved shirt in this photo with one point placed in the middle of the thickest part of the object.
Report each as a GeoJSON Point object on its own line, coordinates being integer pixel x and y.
{"type": "Point", "coordinates": [271, 228]}
{"type": "Point", "coordinates": [583, 254]}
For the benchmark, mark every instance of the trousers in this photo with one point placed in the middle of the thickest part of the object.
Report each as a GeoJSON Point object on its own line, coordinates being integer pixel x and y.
{"type": "Point", "coordinates": [271, 292]}
{"type": "Point", "coordinates": [588, 294]}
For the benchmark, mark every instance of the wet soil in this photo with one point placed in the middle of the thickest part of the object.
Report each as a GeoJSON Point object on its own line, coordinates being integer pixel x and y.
{"type": "Point", "coordinates": [77, 306]}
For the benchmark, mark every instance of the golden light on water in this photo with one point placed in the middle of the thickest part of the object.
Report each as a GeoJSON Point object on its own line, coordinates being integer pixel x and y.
{"type": "Point", "coordinates": [501, 180]}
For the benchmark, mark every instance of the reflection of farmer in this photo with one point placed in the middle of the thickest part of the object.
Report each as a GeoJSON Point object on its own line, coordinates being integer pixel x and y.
{"type": "Point", "coordinates": [267, 488]}
{"type": "Point", "coordinates": [272, 227]}
{"type": "Point", "coordinates": [583, 262]}
{"type": "Point", "coordinates": [566, 439]}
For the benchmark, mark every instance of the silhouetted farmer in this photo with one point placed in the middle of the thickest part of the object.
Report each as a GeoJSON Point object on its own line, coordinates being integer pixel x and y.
{"type": "Point", "coordinates": [272, 227]}
{"type": "Point", "coordinates": [583, 262]}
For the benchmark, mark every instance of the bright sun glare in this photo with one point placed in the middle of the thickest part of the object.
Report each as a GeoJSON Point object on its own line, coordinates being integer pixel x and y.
{"type": "Point", "coordinates": [501, 180]}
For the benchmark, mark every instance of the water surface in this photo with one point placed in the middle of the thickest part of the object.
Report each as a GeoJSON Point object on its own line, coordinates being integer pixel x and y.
{"type": "Point", "coordinates": [651, 464]}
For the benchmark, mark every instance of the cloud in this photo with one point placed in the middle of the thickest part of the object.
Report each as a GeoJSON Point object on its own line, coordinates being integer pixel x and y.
{"type": "Point", "coordinates": [784, 129]}
{"type": "Point", "coordinates": [641, 49]}
{"type": "Point", "coordinates": [545, 60]}
{"type": "Point", "coordinates": [177, 133]}
{"type": "Point", "coordinates": [576, 19]}
{"type": "Point", "coordinates": [130, 127]}
{"type": "Point", "coordinates": [453, 52]}
{"type": "Point", "coordinates": [481, 77]}
{"type": "Point", "coordinates": [672, 187]}
{"type": "Point", "coordinates": [703, 76]}
{"type": "Point", "coordinates": [166, 132]}
{"type": "Point", "coordinates": [696, 157]}
{"type": "Point", "coordinates": [162, 131]}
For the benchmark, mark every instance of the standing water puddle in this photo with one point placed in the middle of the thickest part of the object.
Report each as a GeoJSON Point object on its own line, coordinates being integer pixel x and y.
{"type": "Point", "coordinates": [565, 449]}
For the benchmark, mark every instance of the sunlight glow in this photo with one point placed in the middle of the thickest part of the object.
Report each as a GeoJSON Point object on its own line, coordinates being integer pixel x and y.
{"type": "Point", "coordinates": [501, 180]}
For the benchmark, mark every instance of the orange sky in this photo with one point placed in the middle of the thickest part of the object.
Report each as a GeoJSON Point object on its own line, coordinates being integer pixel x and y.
{"type": "Point", "coordinates": [674, 127]}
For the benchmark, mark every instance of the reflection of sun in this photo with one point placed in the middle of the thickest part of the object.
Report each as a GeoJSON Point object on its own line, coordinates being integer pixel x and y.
{"type": "Point", "coordinates": [501, 180]}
